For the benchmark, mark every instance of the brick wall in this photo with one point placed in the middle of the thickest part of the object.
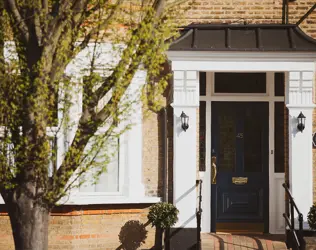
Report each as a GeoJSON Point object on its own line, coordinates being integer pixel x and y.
{"type": "Point", "coordinates": [152, 153]}
{"type": "Point", "coordinates": [250, 11]}
{"type": "Point", "coordinates": [92, 227]}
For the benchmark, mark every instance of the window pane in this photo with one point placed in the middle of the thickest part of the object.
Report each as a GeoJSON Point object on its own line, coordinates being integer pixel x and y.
{"type": "Point", "coordinates": [279, 137]}
{"type": "Point", "coordinates": [52, 156]}
{"type": "Point", "coordinates": [108, 181]}
{"type": "Point", "coordinates": [279, 84]}
{"type": "Point", "coordinates": [202, 83]}
{"type": "Point", "coordinates": [253, 134]}
{"type": "Point", "coordinates": [7, 150]}
{"type": "Point", "coordinates": [240, 83]}
{"type": "Point", "coordinates": [202, 133]}
{"type": "Point", "coordinates": [227, 139]}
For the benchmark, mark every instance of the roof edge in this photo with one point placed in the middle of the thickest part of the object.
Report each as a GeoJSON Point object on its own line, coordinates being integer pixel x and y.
{"type": "Point", "coordinates": [301, 33]}
{"type": "Point", "coordinates": [191, 42]}
{"type": "Point", "coordinates": [226, 25]}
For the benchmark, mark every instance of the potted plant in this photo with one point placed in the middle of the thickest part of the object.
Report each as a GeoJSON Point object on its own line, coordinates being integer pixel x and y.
{"type": "Point", "coordinates": [311, 219]}
{"type": "Point", "coordinates": [162, 215]}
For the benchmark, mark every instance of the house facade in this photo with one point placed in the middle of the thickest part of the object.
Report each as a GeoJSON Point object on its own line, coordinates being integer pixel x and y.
{"type": "Point", "coordinates": [242, 78]}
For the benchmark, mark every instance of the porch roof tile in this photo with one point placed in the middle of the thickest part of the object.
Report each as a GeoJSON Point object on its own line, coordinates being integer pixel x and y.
{"type": "Point", "coordinates": [239, 37]}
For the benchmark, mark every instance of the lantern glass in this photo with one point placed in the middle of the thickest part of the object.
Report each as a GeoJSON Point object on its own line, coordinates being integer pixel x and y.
{"type": "Point", "coordinates": [184, 121]}
{"type": "Point", "coordinates": [301, 122]}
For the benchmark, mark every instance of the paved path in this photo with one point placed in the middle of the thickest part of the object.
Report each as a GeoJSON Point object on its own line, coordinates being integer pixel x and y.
{"type": "Point", "coordinates": [242, 242]}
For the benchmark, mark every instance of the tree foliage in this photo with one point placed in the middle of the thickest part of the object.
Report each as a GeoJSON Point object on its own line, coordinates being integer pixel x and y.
{"type": "Point", "coordinates": [39, 39]}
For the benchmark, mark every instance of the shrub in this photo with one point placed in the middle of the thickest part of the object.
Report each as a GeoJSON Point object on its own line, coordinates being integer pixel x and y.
{"type": "Point", "coordinates": [163, 215]}
{"type": "Point", "coordinates": [311, 217]}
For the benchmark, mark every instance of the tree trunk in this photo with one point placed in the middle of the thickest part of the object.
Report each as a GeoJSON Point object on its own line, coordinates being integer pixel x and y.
{"type": "Point", "coordinates": [29, 222]}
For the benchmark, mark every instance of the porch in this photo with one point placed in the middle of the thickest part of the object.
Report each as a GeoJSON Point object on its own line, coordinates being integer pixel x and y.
{"type": "Point", "coordinates": [241, 127]}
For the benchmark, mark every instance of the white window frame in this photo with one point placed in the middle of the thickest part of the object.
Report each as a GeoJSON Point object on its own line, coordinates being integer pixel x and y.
{"type": "Point", "coordinates": [131, 188]}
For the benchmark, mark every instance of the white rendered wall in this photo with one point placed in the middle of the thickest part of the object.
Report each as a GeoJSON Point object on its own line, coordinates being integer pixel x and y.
{"type": "Point", "coordinates": [186, 99]}
{"type": "Point", "coordinates": [300, 99]}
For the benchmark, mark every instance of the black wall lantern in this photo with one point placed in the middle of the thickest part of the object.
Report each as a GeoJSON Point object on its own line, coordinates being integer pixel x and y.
{"type": "Point", "coordinates": [184, 121]}
{"type": "Point", "coordinates": [301, 122]}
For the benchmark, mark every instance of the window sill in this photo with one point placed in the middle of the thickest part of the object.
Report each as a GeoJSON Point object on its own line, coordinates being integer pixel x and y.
{"type": "Point", "coordinates": [103, 199]}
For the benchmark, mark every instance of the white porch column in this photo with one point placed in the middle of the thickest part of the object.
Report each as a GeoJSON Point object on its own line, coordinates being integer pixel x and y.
{"type": "Point", "coordinates": [186, 99]}
{"type": "Point", "coordinates": [299, 98]}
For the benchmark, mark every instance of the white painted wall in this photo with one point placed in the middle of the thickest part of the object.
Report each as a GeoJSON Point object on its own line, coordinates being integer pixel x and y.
{"type": "Point", "coordinates": [186, 99]}
{"type": "Point", "coordinates": [300, 99]}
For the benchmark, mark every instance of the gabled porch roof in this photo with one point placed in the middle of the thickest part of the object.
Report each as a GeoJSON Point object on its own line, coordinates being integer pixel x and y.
{"type": "Point", "coordinates": [237, 37]}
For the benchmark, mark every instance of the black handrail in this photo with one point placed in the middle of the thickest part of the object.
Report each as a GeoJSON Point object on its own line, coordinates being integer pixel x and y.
{"type": "Point", "coordinates": [290, 221]}
{"type": "Point", "coordinates": [199, 214]}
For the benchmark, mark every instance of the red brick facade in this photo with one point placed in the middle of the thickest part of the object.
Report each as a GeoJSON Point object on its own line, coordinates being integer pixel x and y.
{"type": "Point", "coordinates": [92, 227]}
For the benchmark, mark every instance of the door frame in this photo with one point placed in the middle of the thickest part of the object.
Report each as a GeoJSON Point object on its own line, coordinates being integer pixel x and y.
{"type": "Point", "coordinates": [275, 179]}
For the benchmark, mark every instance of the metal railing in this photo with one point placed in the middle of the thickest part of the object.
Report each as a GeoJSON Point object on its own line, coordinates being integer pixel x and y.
{"type": "Point", "coordinates": [199, 214]}
{"type": "Point", "coordinates": [295, 237]}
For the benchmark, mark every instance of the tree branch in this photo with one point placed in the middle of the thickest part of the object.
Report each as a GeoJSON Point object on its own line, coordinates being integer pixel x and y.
{"type": "Point", "coordinates": [62, 12]}
{"type": "Point", "coordinates": [71, 32]}
{"type": "Point", "coordinates": [12, 9]}
{"type": "Point", "coordinates": [121, 77]}
{"type": "Point", "coordinates": [103, 25]}
{"type": "Point", "coordinates": [86, 131]}
{"type": "Point", "coordinates": [45, 6]}
{"type": "Point", "coordinates": [120, 69]}
{"type": "Point", "coordinates": [38, 29]}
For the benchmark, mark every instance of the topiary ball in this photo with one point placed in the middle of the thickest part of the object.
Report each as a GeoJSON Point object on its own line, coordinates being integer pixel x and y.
{"type": "Point", "coordinates": [311, 217]}
{"type": "Point", "coordinates": [163, 215]}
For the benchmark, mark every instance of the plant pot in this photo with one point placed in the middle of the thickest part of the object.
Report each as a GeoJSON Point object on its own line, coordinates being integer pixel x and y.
{"type": "Point", "coordinates": [309, 233]}
{"type": "Point", "coordinates": [181, 238]}
{"type": "Point", "coordinates": [158, 238]}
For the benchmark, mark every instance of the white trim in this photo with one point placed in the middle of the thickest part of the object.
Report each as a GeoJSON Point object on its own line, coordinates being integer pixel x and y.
{"type": "Point", "coordinates": [271, 83]}
{"type": "Point", "coordinates": [236, 66]}
{"type": "Point", "coordinates": [278, 206]}
{"type": "Point", "coordinates": [231, 98]}
{"type": "Point", "coordinates": [309, 106]}
{"type": "Point", "coordinates": [106, 199]}
{"type": "Point", "coordinates": [241, 56]}
{"type": "Point", "coordinates": [206, 214]}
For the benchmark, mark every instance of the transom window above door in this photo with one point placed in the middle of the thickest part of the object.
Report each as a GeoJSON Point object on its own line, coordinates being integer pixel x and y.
{"type": "Point", "coordinates": [244, 83]}
{"type": "Point", "coordinates": [240, 83]}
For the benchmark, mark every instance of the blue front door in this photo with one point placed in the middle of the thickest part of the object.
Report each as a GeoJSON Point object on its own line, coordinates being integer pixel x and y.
{"type": "Point", "coordinates": [240, 162]}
